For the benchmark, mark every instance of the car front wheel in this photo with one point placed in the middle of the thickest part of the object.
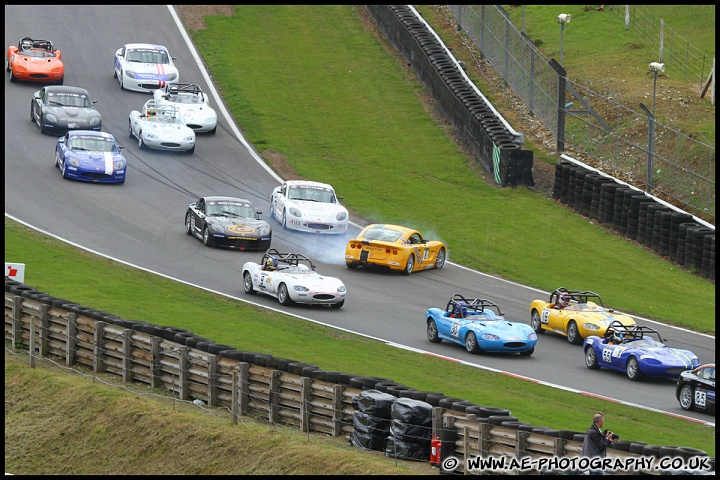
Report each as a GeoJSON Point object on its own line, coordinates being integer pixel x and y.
{"type": "Point", "coordinates": [471, 344]}
{"type": "Point", "coordinates": [188, 223]}
{"type": "Point", "coordinates": [591, 359]}
{"type": "Point", "coordinates": [527, 353]}
{"type": "Point", "coordinates": [338, 304]}
{"type": "Point", "coordinates": [206, 236]}
{"type": "Point", "coordinates": [535, 322]}
{"type": "Point", "coordinates": [432, 332]}
{"type": "Point", "coordinates": [633, 369]}
{"type": "Point", "coordinates": [284, 296]}
{"type": "Point", "coordinates": [248, 284]}
{"type": "Point", "coordinates": [573, 335]}
{"type": "Point", "coordinates": [686, 398]}
{"type": "Point", "coordinates": [440, 260]}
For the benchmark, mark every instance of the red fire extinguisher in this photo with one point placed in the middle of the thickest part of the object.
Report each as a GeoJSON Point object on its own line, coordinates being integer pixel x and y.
{"type": "Point", "coordinates": [435, 445]}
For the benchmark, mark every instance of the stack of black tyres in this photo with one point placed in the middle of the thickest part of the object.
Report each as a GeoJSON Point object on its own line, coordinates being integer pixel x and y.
{"type": "Point", "coordinates": [371, 419]}
{"type": "Point", "coordinates": [410, 430]}
{"type": "Point", "coordinates": [675, 221]}
{"type": "Point", "coordinates": [708, 258]}
{"type": "Point", "coordinates": [607, 200]}
{"type": "Point", "coordinates": [633, 214]}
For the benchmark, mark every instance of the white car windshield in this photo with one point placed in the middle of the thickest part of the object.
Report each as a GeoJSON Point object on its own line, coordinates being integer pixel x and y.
{"type": "Point", "coordinates": [147, 56]}
{"type": "Point", "coordinates": [311, 194]}
{"type": "Point", "coordinates": [185, 99]}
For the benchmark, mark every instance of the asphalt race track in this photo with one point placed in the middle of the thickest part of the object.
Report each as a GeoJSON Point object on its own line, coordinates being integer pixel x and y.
{"type": "Point", "coordinates": [141, 222]}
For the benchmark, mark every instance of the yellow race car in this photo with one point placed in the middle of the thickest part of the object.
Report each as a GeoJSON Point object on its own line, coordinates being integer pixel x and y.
{"type": "Point", "coordinates": [574, 313]}
{"type": "Point", "coordinates": [398, 248]}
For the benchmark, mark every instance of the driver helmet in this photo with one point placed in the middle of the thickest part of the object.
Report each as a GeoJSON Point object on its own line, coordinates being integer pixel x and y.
{"type": "Point", "coordinates": [151, 112]}
{"type": "Point", "coordinates": [271, 263]}
{"type": "Point", "coordinates": [460, 310]}
{"type": "Point", "coordinates": [618, 336]}
{"type": "Point", "coordinates": [563, 299]}
{"type": "Point", "coordinates": [25, 45]}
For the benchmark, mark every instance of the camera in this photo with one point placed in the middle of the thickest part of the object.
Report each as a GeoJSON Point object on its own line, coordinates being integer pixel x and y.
{"type": "Point", "coordinates": [613, 436]}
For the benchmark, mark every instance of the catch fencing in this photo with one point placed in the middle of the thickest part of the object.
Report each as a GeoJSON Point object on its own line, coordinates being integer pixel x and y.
{"type": "Point", "coordinates": [280, 391]}
{"type": "Point", "coordinates": [625, 143]}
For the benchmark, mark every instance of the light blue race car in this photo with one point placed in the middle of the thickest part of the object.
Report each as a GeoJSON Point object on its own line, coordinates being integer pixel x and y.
{"type": "Point", "coordinates": [90, 156]}
{"type": "Point", "coordinates": [479, 325]}
{"type": "Point", "coordinates": [637, 350]}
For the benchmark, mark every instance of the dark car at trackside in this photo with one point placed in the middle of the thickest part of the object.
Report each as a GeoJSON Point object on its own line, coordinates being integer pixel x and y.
{"type": "Point", "coordinates": [227, 222]}
{"type": "Point", "coordinates": [695, 389]}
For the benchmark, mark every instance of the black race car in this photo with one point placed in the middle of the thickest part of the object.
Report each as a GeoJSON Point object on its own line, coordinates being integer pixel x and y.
{"type": "Point", "coordinates": [62, 108]}
{"type": "Point", "coordinates": [696, 389]}
{"type": "Point", "coordinates": [227, 222]}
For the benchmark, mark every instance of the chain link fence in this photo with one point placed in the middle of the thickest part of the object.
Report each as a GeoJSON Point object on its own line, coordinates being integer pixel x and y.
{"type": "Point", "coordinates": [613, 137]}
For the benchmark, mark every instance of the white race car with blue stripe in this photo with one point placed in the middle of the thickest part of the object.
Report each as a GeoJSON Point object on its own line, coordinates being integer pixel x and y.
{"type": "Point", "coordinates": [144, 67]}
{"type": "Point", "coordinates": [90, 156]}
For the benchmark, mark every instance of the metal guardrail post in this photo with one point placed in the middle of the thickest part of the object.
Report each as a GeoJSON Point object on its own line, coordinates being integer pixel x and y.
{"type": "Point", "coordinates": [99, 347]}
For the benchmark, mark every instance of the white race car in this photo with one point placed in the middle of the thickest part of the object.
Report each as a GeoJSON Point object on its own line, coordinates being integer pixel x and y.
{"type": "Point", "coordinates": [162, 128]}
{"type": "Point", "coordinates": [193, 104]}
{"type": "Point", "coordinates": [144, 67]}
{"type": "Point", "coordinates": [291, 278]}
{"type": "Point", "coordinates": [309, 207]}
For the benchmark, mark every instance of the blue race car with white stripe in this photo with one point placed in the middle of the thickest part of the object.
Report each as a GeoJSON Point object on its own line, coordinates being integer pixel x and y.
{"type": "Point", "coordinates": [479, 326]}
{"type": "Point", "coordinates": [637, 350]}
{"type": "Point", "coordinates": [90, 156]}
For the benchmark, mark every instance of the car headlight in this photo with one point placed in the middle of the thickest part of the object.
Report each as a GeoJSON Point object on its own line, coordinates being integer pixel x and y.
{"type": "Point", "coordinates": [341, 289]}
{"type": "Point", "coordinates": [295, 212]}
{"type": "Point", "coordinates": [532, 336]}
{"type": "Point", "coordinates": [189, 138]}
{"type": "Point", "coordinates": [591, 326]}
{"type": "Point", "coordinates": [265, 230]}
{"type": "Point", "coordinates": [300, 288]}
{"type": "Point", "coordinates": [490, 336]}
{"type": "Point", "coordinates": [95, 121]}
{"type": "Point", "coordinates": [72, 161]}
{"type": "Point", "coordinates": [172, 76]}
{"type": "Point", "coordinates": [216, 228]}
{"type": "Point", "coordinates": [130, 73]}
{"type": "Point", "coordinates": [52, 118]}
{"type": "Point", "coordinates": [341, 216]}
{"type": "Point", "coordinates": [149, 135]}
{"type": "Point", "coordinates": [119, 164]}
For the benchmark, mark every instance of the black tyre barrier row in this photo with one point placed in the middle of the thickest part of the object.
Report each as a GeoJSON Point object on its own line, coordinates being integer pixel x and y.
{"type": "Point", "coordinates": [637, 216]}
{"type": "Point", "coordinates": [458, 99]}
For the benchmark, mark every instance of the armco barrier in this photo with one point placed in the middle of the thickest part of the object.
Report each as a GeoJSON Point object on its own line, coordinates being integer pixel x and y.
{"type": "Point", "coordinates": [281, 391]}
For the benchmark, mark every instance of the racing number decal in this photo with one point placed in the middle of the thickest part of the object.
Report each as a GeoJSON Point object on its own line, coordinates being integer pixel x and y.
{"type": "Point", "coordinates": [455, 329]}
{"type": "Point", "coordinates": [240, 229]}
{"type": "Point", "coordinates": [426, 254]}
{"type": "Point", "coordinates": [700, 396]}
{"type": "Point", "coordinates": [545, 316]}
{"type": "Point", "coordinates": [608, 353]}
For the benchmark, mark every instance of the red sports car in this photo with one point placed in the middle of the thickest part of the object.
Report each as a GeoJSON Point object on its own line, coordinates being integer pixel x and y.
{"type": "Point", "coordinates": [35, 61]}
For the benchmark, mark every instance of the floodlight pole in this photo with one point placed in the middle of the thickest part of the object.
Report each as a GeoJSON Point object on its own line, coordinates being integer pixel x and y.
{"type": "Point", "coordinates": [562, 29]}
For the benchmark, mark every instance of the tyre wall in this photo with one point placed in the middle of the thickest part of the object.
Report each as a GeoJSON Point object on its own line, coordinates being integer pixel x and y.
{"type": "Point", "coordinates": [496, 146]}
{"type": "Point", "coordinates": [666, 230]}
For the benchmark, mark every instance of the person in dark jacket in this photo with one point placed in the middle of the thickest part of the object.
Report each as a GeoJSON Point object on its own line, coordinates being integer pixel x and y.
{"type": "Point", "coordinates": [596, 442]}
